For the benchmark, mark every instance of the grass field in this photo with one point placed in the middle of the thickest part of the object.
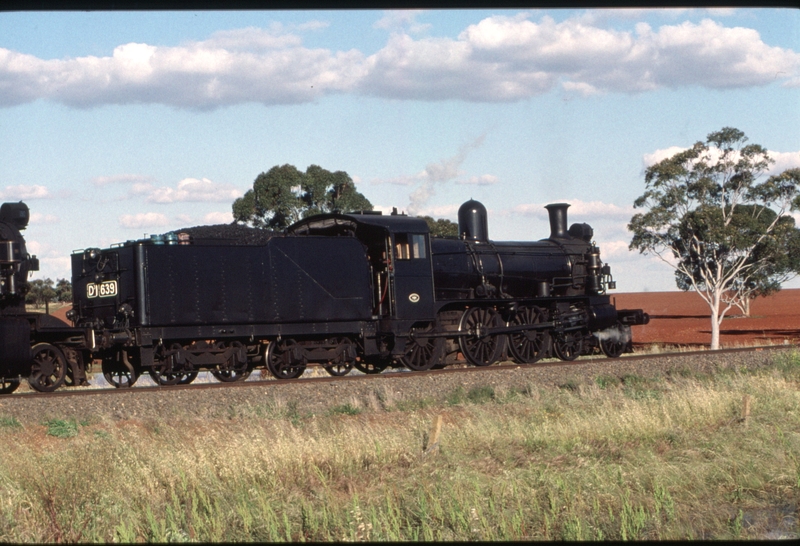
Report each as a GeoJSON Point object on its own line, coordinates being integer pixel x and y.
{"type": "Point", "coordinates": [630, 458]}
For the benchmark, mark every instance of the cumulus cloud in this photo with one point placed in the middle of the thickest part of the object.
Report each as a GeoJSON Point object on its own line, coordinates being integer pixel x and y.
{"type": "Point", "coordinates": [497, 59]}
{"type": "Point", "coordinates": [121, 179]}
{"type": "Point", "coordinates": [218, 218]}
{"type": "Point", "coordinates": [18, 193]}
{"type": "Point", "coordinates": [236, 66]}
{"type": "Point", "coordinates": [483, 180]}
{"type": "Point", "coordinates": [189, 190]}
{"type": "Point", "coordinates": [143, 220]}
{"type": "Point", "coordinates": [511, 58]}
{"type": "Point", "coordinates": [783, 160]}
{"type": "Point", "coordinates": [398, 19]}
{"type": "Point", "coordinates": [37, 218]}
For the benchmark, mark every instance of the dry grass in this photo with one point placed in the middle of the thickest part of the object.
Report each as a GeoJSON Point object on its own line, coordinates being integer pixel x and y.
{"type": "Point", "coordinates": [635, 458]}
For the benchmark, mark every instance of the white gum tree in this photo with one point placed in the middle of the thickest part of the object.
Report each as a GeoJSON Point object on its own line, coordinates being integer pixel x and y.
{"type": "Point", "coordinates": [710, 215]}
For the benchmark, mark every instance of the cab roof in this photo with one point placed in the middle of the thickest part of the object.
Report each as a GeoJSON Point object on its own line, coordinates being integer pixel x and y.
{"type": "Point", "coordinates": [394, 223]}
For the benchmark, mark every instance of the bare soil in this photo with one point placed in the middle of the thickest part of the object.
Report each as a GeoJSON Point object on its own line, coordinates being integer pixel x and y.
{"type": "Point", "coordinates": [682, 318]}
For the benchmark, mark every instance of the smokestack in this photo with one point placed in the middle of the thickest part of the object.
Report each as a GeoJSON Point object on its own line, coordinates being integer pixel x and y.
{"type": "Point", "coordinates": [558, 220]}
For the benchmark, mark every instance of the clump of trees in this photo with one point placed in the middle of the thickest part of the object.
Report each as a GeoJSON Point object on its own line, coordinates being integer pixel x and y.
{"type": "Point", "coordinates": [42, 292]}
{"type": "Point", "coordinates": [284, 194]}
{"type": "Point", "coordinates": [727, 233]}
{"type": "Point", "coordinates": [441, 227]}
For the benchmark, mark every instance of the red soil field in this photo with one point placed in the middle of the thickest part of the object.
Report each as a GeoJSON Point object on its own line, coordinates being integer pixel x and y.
{"type": "Point", "coordinates": [682, 318]}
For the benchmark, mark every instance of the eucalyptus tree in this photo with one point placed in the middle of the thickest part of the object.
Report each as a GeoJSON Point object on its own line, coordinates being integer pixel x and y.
{"type": "Point", "coordinates": [725, 231]}
{"type": "Point", "coordinates": [283, 195]}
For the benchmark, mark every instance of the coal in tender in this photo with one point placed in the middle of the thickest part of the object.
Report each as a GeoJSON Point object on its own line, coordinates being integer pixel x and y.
{"type": "Point", "coordinates": [232, 234]}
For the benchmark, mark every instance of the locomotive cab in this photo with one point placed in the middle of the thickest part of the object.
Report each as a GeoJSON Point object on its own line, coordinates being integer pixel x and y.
{"type": "Point", "coordinates": [399, 254]}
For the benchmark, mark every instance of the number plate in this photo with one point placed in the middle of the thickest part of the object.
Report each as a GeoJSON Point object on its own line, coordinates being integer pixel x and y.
{"type": "Point", "coordinates": [105, 289]}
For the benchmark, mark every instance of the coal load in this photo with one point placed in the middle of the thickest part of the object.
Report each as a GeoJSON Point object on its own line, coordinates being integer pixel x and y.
{"type": "Point", "coordinates": [232, 234]}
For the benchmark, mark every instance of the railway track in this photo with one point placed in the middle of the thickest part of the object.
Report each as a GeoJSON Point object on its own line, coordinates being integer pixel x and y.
{"type": "Point", "coordinates": [611, 366]}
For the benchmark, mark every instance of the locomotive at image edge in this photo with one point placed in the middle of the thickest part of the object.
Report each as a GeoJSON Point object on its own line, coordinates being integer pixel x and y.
{"type": "Point", "coordinates": [363, 290]}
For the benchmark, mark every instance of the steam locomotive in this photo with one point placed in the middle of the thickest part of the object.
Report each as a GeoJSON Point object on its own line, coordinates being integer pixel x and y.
{"type": "Point", "coordinates": [360, 290]}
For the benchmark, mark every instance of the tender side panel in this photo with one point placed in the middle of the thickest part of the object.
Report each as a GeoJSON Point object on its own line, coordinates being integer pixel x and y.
{"type": "Point", "coordinates": [188, 285]}
{"type": "Point", "coordinates": [318, 279]}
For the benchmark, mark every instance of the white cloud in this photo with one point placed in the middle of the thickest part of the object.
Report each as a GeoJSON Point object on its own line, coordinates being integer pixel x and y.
{"type": "Point", "coordinates": [143, 220]}
{"type": "Point", "coordinates": [218, 218]}
{"type": "Point", "coordinates": [189, 190]}
{"type": "Point", "coordinates": [17, 193]}
{"type": "Point", "coordinates": [483, 180]}
{"type": "Point", "coordinates": [230, 67]}
{"type": "Point", "coordinates": [614, 249]}
{"type": "Point", "coordinates": [660, 155]}
{"type": "Point", "coordinates": [37, 218]}
{"type": "Point", "coordinates": [511, 58]}
{"type": "Point", "coordinates": [497, 59]}
{"type": "Point", "coordinates": [783, 160]}
{"type": "Point", "coordinates": [121, 179]}
{"type": "Point", "coordinates": [585, 210]}
{"type": "Point", "coordinates": [396, 19]}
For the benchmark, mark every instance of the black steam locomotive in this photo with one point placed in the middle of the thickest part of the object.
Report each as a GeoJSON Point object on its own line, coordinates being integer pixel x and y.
{"type": "Point", "coordinates": [359, 290]}
{"type": "Point", "coordinates": [27, 339]}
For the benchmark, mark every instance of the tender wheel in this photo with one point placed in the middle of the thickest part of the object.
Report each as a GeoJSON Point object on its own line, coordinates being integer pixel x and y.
{"type": "Point", "coordinates": [480, 349]}
{"type": "Point", "coordinates": [49, 369]}
{"type": "Point", "coordinates": [7, 386]}
{"type": "Point", "coordinates": [162, 375]}
{"type": "Point", "coordinates": [422, 353]}
{"type": "Point", "coordinates": [276, 364]}
{"type": "Point", "coordinates": [531, 345]}
{"type": "Point", "coordinates": [615, 340]}
{"type": "Point", "coordinates": [229, 376]}
{"type": "Point", "coordinates": [119, 374]}
{"type": "Point", "coordinates": [372, 364]}
{"type": "Point", "coordinates": [343, 364]}
{"type": "Point", "coordinates": [187, 378]}
{"type": "Point", "coordinates": [568, 346]}
{"type": "Point", "coordinates": [234, 370]}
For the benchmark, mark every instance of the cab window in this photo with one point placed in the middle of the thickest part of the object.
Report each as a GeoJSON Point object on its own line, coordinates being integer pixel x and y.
{"type": "Point", "coordinates": [409, 246]}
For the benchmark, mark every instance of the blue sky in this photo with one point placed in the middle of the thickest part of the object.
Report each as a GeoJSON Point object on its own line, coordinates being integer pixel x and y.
{"type": "Point", "coordinates": [117, 125]}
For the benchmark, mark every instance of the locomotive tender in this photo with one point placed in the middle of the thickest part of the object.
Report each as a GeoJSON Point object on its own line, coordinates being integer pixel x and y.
{"type": "Point", "coordinates": [362, 290]}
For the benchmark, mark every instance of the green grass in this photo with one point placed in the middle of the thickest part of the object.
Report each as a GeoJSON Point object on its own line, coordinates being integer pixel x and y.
{"type": "Point", "coordinates": [10, 423]}
{"type": "Point", "coordinates": [630, 458]}
{"type": "Point", "coordinates": [61, 428]}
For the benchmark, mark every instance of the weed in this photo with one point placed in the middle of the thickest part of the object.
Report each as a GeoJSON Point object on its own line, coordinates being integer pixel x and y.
{"type": "Point", "coordinates": [346, 409]}
{"type": "Point", "coordinates": [481, 395]}
{"type": "Point", "coordinates": [10, 422]}
{"type": "Point", "coordinates": [61, 428]}
{"type": "Point", "coordinates": [456, 397]}
{"type": "Point", "coordinates": [570, 385]}
{"type": "Point", "coordinates": [606, 381]}
{"type": "Point", "coordinates": [293, 413]}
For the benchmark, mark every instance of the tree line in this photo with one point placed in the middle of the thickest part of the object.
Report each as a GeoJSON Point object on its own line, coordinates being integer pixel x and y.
{"type": "Point", "coordinates": [42, 292]}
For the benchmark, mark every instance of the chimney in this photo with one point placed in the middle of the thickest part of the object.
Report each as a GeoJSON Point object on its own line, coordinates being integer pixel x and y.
{"type": "Point", "coordinates": [558, 220]}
